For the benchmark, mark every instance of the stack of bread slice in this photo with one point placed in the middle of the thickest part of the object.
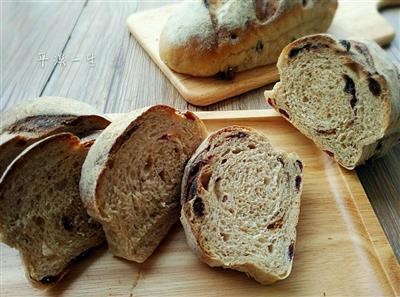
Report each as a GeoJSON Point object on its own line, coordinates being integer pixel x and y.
{"type": "Point", "coordinates": [43, 145]}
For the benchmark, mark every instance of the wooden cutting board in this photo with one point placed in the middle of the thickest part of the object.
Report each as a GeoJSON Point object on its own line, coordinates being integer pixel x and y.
{"type": "Point", "coordinates": [341, 248]}
{"type": "Point", "coordinates": [354, 18]}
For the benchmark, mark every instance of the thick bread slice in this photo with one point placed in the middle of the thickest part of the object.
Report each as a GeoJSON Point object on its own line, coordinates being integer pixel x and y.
{"type": "Point", "coordinates": [38, 118]}
{"type": "Point", "coordinates": [343, 94]}
{"type": "Point", "coordinates": [132, 175]}
{"type": "Point", "coordinates": [41, 212]}
{"type": "Point", "coordinates": [208, 37]}
{"type": "Point", "coordinates": [240, 204]}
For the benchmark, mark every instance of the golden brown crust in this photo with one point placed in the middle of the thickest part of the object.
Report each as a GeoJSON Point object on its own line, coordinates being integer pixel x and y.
{"type": "Point", "coordinates": [254, 44]}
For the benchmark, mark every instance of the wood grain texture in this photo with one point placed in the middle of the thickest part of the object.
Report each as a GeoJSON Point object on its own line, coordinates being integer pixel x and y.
{"type": "Point", "coordinates": [123, 77]}
{"type": "Point", "coordinates": [29, 29]}
{"type": "Point", "coordinates": [337, 228]}
{"type": "Point", "coordinates": [135, 81]}
{"type": "Point", "coordinates": [146, 27]}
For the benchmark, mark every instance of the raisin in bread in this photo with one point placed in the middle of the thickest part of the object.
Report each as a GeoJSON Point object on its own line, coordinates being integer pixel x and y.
{"type": "Point", "coordinates": [38, 118]}
{"type": "Point", "coordinates": [240, 204]}
{"type": "Point", "coordinates": [343, 94]}
{"type": "Point", "coordinates": [208, 37]}
{"type": "Point", "coordinates": [41, 212]}
{"type": "Point", "coordinates": [131, 178]}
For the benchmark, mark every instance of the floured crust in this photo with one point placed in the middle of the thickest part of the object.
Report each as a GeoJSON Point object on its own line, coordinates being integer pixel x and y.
{"type": "Point", "coordinates": [101, 158]}
{"type": "Point", "coordinates": [211, 37]}
{"type": "Point", "coordinates": [38, 118]}
{"type": "Point", "coordinates": [370, 63]}
{"type": "Point", "coordinates": [192, 190]}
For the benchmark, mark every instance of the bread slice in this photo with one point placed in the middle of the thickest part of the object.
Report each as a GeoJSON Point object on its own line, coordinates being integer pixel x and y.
{"type": "Point", "coordinates": [41, 212]}
{"type": "Point", "coordinates": [343, 94]}
{"type": "Point", "coordinates": [221, 37]}
{"type": "Point", "coordinates": [132, 175]}
{"type": "Point", "coordinates": [241, 202]}
{"type": "Point", "coordinates": [38, 118]}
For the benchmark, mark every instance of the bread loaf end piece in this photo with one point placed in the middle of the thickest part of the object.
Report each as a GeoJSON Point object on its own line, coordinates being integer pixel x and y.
{"type": "Point", "coordinates": [38, 118]}
{"type": "Point", "coordinates": [343, 94]}
{"type": "Point", "coordinates": [132, 175]}
{"type": "Point", "coordinates": [240, 204]}
{"type": "Point", "coordinates": [41, 212]}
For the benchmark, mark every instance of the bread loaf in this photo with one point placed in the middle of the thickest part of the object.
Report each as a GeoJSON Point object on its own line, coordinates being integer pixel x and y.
{"type": "Point", "coordinates": [209, 37]}
{"type": "Point", "coordinates": [343, 94]}
{"type": "Point", "coordinates": [41, 212]}
{"type": "Point", "coordinates": [132, 175]}
{"type": "Point", "coordinates": [240, 204]}
{"type": "Point", "coordinates": [38, 118]}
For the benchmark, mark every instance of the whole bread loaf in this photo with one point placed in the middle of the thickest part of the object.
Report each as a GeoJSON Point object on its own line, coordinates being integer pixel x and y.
{"type": "Point", "coordinates": [208, 37]}
{"type": "Point", "coordinates": [36, 119]}
{"type": "Point", "coordinates": [131, 178]}
{"type": "Point", "coordinates": [241, 202]}
{"type": "Point", "coordinates": [41, 212]}
{"type": "Point", "coordinates": [343, 94]}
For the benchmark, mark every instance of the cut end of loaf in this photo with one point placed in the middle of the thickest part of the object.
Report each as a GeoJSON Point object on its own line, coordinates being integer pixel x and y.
{"type": "Point", "coordinates": [131, 178]}
{"type": "Point", "coordinates": [240, 204]}
{"type": "Point", "coordinates": [41, 213]}
{"type": "Point", "coordinates": [330, 93]}
{"type": "Point", "coordinates": [36, 119]}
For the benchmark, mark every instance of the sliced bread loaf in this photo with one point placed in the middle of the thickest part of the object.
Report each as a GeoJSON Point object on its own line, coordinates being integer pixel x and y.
{"type": "Point", "coordinates": [41, 212]}
{"type": "Point", "coordinates": [132, 175]}
{"type": "Point", "coordinates": [38, 118]}
{"type": "Point", "coordinates": [240, 204]}
{"type": "Point", "coordinates": [343, 94]}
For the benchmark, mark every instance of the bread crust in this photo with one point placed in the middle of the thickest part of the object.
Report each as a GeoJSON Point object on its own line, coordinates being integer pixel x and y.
{"type": "Point", "coordinates": [258, 40]}
{"type": "Point", "coordinates": [190, 181]}
{"type": "Point", "coordinates": [9, 175]}
{"type": "Point", "coordinates": [368, 60]}
{"type": "Point", "coordinates": [38, 118]}
{"type": "Point", "coordinates": [100, 159]}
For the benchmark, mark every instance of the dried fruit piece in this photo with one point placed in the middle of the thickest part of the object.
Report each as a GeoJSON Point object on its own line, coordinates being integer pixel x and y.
{"type": "Point", "coordinates": [198, 207]}
{"type": "Point", "coordinates": [271, 102]}
{"type": "Point", "coordinates": [300, 164]}
{"type": "Point", "coordinates": [374, 86]}
{"type": "Point", "coordinates": [259, 46]}
{"type": "Point", "coordinates": [298, 183]}
{"type": "Point", "coordinates": [284, 112]}
{"type": "Point", "coordinates": [346, 44]}
{"type": "Point", "coordinates": [67, 223]}
{"type": "Point", "coordinates": [48, 279]}
{"type": "Point", "coordinates": [291, 251]}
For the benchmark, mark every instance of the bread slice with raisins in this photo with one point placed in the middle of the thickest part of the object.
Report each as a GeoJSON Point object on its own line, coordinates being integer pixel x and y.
{"type": "Point", "coordinates": [131, 178]}
{"type": "Point", "coordinates": [241, 202]}
{"type": "Point", "coordinates": [36, 119]}
{"type": "Point", "coordinates": [41, 212]}
{"type": "Point", "coordinates": [343, 94]}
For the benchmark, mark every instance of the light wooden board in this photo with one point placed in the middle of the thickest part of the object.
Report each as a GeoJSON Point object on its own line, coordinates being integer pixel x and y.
{"type": "Point", "coordinates": [341, 249]}
{"type": "Point", "coordinates": [359, 19]}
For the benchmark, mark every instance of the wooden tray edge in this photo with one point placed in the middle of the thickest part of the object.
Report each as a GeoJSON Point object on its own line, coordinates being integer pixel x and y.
{"type": "Point", "coordinates": [205, 98]}
{"type": "Point", "coordinates": [382, 247]}
{"type": "Point", "coordinates": [385, 254]}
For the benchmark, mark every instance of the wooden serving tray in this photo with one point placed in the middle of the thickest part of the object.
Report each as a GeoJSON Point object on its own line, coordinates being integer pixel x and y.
{"type": "Point", "coordinates": [341, 249]}
{"type": "Point", "coordinates": [354, 18]}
